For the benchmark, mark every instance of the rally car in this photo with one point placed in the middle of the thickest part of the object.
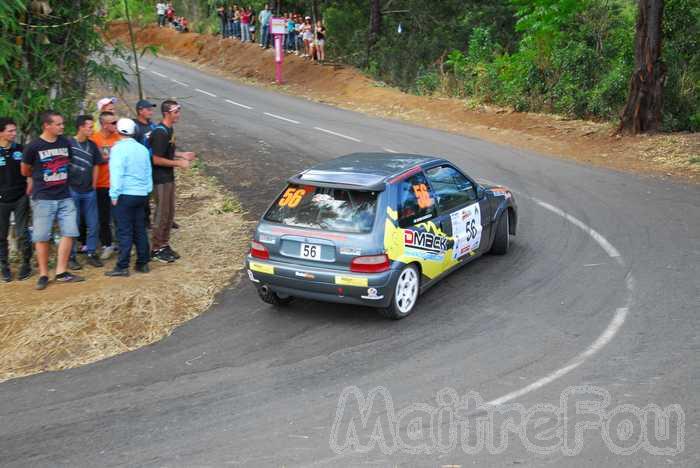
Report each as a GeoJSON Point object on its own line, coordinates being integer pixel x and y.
{"type": "Point", "coordinates": [376, 229]}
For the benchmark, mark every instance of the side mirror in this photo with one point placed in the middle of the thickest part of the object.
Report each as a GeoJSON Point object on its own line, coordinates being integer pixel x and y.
{"type": "Point", "coordinates": [479, 192]}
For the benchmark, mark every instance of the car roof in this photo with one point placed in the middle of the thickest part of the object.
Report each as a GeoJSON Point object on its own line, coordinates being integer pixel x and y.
{"type": "Point", "coordinates": [368, 171]}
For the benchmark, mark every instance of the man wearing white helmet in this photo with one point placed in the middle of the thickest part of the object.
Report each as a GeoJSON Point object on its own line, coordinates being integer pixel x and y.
{"type": "Point", "coordinates": [130, 183]}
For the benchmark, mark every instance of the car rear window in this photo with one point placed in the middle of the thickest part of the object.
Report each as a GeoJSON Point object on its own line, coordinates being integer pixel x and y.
{"type": "Point", "coordinates": [330, 209]}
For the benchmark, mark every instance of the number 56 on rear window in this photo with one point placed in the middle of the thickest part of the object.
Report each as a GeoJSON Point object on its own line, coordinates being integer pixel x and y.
{"type": "Point", "coordinates": [292, 197]}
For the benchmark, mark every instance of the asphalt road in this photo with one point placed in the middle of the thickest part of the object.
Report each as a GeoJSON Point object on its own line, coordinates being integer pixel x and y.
{"type": "Point", "coordinates": [598, 298]}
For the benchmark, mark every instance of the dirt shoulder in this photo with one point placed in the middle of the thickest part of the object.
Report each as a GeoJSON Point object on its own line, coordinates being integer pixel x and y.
{"type": "Point", "coordinates": [70, 325]}
{"type": "Point", "coordinates": [674, 155]}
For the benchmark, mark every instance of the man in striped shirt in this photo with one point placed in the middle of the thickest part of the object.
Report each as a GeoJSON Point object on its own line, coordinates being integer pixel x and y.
{"type": "Point", "coordinates": [82, 177]}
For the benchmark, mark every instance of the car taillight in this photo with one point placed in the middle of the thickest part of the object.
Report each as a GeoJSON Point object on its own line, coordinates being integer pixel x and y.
{"type": "Point", "coordinates": [258, 250]}
{"type": "Point", "coordinates": [370, 264]}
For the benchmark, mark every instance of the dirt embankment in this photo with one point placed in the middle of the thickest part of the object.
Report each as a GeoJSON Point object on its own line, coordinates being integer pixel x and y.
{"type": "Point", "coordinates": [674, 155]}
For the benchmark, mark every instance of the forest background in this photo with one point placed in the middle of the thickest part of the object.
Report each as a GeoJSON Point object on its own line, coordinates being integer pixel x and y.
{"type": "Point", "coordinates": [568, 57]}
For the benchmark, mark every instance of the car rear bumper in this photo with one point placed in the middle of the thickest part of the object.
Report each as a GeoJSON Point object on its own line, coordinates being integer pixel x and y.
{"type": "Point", "coordinates": [374, 290]}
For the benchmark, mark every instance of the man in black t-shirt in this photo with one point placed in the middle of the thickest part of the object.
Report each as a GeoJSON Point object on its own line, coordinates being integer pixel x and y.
{"type": "Point", "coordinates": [13, 198]}
{"type": "Point", "coordinates": [144, 125]}
{"type": "Point", "coordinates": [82, 177]}
{"type": "Point", "coordinates": [46, 160]}
{"type": "Point", "coordinates": [165, 159]}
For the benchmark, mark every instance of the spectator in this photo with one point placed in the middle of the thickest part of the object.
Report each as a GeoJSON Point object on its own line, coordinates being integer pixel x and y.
{"type": "Point", "coordinates": [144, 127]}
{"type": "Point", "coordinates": [160, 11]}
{"type": "Point", "coordinates": [105, 139]}
{"type": "Point", "coordinates": [298, 25]}
{"type": "Point", "coordinates": [264, 18]}
{"type": "Point", "coordinates": [46, 161]}
{"type": "Point", "coordinates": [130, 184]}
{"type": "Point", "coordinates": [245, 25]}
{"type": "Point", "coordinates": [223, 13]}
{"type": "Point", "coordinates": [13, 198]}
{"type": "Point", "coordinates": [291, 34]}
{"type": "Point", "coordinates": [236, 22]}
{"type": "Point", "coordinates": [165, 159]}
{"type": "Point", "coordinates": [253, 25]}
{"type": "Point", "coordinates": [103, 105]}
{"type": "Point", "coordinates": [184, 24]}
{"type": "Point", "coordinates": [82, 176]}
{"type": "Point", "coordinates": [170, 12]}
{"type": "Point", "coordinates": [307, 34]}
{"type": "Point", "coordinates": [320, 41]}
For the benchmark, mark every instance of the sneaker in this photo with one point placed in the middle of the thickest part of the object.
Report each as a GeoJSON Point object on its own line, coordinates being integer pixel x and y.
{"type": "Point", "coordinates": [117, 272]}
{"type": "Point", "coordinates": [162, 255]}
{"type": "Point", "coordinates": [172, 252]}
{"type": "Point", "coordinates": [107, 252]}
{"type": "Point", "coordinates": [74, 265]}
{"type": "Point", "coordinates": [25, 271]}
{"type": "Point", "coordinates": [42, 282]}
{"type": "Point", "coordinates": [94, 260]}
{"type": "Point", "coordinates": [67, 277]}
{"type": "Point", "coordinates": [6, 273]}
{"type": "Point", "coordinates": [143, 268]}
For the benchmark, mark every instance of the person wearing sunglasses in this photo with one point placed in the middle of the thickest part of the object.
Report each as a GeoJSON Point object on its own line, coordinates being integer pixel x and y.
{"type": "Point", "coordinates": [105, 139]}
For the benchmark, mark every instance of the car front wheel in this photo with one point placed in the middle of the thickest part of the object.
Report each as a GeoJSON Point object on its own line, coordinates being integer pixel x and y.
{"type": "Point", "coordinates": [405, 294]}
{"type": "Point", "coordinates": [501, 240]}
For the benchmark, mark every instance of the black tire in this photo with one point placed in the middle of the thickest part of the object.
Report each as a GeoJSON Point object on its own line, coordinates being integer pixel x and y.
{"type": "Point", "coordinates": [501, 240]}
{"type": "Point", "coordinates": [271, 297]}
{"type": "Point", "coordinates": [398, 309]}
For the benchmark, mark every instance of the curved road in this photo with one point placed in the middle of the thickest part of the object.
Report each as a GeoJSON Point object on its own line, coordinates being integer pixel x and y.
{"type": "Point", "coordinates": [600, 289]}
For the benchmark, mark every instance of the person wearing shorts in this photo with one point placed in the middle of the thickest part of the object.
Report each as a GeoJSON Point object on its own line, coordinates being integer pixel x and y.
{"type": "Point", "coordinates": [47, 161]}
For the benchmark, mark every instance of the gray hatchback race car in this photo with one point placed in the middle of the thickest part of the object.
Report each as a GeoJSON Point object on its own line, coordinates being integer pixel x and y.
{"type": "Point", "coordinates": [376, 229]}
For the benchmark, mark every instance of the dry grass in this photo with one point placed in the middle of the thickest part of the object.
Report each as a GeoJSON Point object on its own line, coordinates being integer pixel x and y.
{"type": "Point", "coordinates": [70, 325]}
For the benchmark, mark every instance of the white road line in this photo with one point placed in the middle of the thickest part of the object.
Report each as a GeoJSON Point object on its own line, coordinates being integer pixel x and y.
{"type": "Point", "coordinates": [602, 241]}
{"type": "Point", "coordinates": [389, 150]}
{"type": "Point", "coordinates": [238, 104]}
{"type": "Point", "coordinates": [338, 134]}
{"type": "Point", "coordinates": [280, 118]}
{"type": "Point", "coordinates": [205, 92]}
{"type": "Point", "coordinates": [604, 338]}
{"type": "Point", "coordinates": [143, 68]}
{"type": "Point", "coordinates": [158, 74]}
{"type": "Point", "coordinates": [179, 82]}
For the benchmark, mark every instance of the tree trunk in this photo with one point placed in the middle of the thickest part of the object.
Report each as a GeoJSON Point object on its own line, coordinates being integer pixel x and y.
{"type": "Point", "coordinates": [375, 26]}
{"type": "Point", "coordinates": [642, 112]}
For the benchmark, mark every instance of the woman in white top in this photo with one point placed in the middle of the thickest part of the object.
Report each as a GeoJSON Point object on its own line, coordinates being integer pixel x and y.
{"type": "Point", "coordinates": [307, 34]}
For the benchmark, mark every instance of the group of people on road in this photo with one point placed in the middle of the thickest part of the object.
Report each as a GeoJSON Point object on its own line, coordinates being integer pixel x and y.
{"type": "Point", "coordinates": [96, 179]}
{"type": "Point", "coordinates": [302, 37]}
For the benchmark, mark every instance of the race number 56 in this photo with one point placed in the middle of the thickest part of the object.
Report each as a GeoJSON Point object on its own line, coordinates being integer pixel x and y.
{"type": "Point", "coordinates": [422, 195]}
{"type": "Point", "coordinates": [292, 197]}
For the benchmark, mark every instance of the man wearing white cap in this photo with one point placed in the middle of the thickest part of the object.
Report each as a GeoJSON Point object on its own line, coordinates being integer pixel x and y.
{"type": "Point", "coordinates": [103, 105]}
{"type": "Point", "coordinates": [130, 183]}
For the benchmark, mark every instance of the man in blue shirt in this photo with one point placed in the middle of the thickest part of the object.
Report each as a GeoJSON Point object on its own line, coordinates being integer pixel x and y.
{"type": "Point", "coordinates": [130, 183]}
{"type": "Point", "coordinates": [264, 18]}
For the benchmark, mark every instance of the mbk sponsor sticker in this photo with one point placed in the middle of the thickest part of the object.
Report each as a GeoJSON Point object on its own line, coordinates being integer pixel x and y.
{"type": "Point", "coordinates": [425, 241]}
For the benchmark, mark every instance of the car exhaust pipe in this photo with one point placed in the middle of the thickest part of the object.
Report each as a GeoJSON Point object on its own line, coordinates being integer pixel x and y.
{"type": "Point", "coordinates": [264, 289]}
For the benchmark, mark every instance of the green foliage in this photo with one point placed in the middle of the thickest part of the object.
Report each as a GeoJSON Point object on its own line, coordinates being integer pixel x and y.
{"type": "Point", "coordinates": [427, 82]}
{"type": "Point", "coordinates": [47, 61]}
{"type": "Point", "coordinates": [573, 57]}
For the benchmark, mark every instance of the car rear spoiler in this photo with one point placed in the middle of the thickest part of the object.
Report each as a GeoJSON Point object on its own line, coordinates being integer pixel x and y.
{"type": "Point", "coordinates": [297, 179]}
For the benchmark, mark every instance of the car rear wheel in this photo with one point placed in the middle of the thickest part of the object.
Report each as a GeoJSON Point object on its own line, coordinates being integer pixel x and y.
{"type": "Point", "coordinates": [501, 240]}
{"type": "Point", "coordinates": [271, 297]}
{"type": "Point", "coordinates": [405, 294]}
